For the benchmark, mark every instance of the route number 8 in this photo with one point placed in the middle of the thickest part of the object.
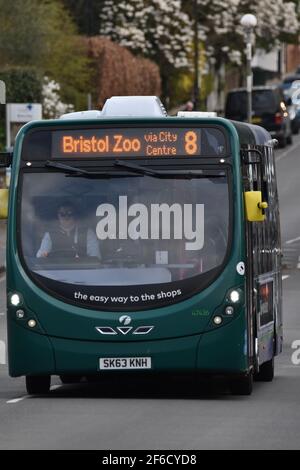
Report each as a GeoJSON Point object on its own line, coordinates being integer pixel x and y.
{"type": "Point", "coordinates": [190, 140]}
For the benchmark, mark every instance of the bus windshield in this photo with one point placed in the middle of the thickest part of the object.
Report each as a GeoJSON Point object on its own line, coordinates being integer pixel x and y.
{"type": "Point", "coordinates": [152, 240]}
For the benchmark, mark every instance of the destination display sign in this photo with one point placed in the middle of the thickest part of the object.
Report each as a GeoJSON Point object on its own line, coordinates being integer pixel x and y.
{"type": "Point", "coordinates": [140, 142]}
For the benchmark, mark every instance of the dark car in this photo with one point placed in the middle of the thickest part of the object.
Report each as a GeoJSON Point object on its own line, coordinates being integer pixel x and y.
{"type": "Point", "coordinates": [268, 110]}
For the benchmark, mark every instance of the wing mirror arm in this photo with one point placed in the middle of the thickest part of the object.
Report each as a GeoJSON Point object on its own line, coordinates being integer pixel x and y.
{"type": "Point", "coordinates": [246, 157]}
{"type": "Point", "coordinates": [262, 206]}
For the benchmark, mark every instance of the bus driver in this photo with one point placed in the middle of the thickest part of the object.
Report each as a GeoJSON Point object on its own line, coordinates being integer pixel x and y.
{"type": "Point", "coordinates": [68, 238]}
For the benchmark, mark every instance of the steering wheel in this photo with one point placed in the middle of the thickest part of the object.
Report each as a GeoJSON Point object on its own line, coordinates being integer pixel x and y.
{"type": "Point", "coordinates": [66, 253]}
{"type": "Point", "coordinates": [124, 261]}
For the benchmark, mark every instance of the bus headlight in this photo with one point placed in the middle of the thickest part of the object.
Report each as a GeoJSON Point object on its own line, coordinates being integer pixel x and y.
{"type": "Point", "coordinates": [234, 296]}
{"type": "Point", "coordinates": [20, 314]}
{"type": "Point", "coordinates": [229, 310]}
{"type": "Point", "coordinates": [31, 323]}
{"type": "Point", "coordinates": [15, 300]}
{"type": "Point", "coordinates": [217, 320]}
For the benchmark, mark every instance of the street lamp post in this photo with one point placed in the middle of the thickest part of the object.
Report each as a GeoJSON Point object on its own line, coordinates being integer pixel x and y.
{"type": "Point", "coordinates": [249, 22]}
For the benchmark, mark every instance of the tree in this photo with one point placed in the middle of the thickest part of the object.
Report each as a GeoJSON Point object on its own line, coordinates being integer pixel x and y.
{"type": "Point", "coordinates": [221, 33]}
{"type": "Point", "coordinates": [65, 59]}
{"type": "Point", "coordinates": [157, 29]}
{"type": "Point", "coordinates": [22, 85]}
{"type": "Point", "coordinates": [86, 14]}
{"type": "Point", "coordinates": [53, 107]}
{"type": "Point", "coordinates": [276, 21]}
{"type": "Point", "coordinates": [119, 72]}
{"type": "Point", "coordinates": [40, 34]}
{"type": "Point", "coordinates": [220, 29]}
{"type": "Point", "coordinates": [21, 33]}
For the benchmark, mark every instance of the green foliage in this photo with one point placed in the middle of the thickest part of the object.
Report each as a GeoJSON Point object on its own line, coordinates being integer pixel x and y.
{"type": "Point", "coordinates": [23, 85]}
{"type": "Point", "coordinates": [65, 58]}
{"type": "Point", "coordinates": [181, 86]}
{"type": "Point", "coordinates": [21, 32]}
{"type": "Point", "coordinates": [41, 34]}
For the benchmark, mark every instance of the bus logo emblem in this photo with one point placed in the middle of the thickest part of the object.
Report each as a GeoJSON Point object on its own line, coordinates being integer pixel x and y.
{"type": "Point", "coordinates": [124, 330]}
{"type": "Point", "coordinates": [125, 319]}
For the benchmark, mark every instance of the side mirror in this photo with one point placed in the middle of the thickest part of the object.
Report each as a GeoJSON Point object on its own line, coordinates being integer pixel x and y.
{"type": "Point", "coordinates": [255, 208]}
{"type": "Point", "coordinates": [3, 203]}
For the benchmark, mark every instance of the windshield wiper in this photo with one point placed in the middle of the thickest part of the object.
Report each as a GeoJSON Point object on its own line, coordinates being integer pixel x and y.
{"type": "Point", "coordinates": [138, 169]}
{"type": "Point", "coordinates": [68, 168]}
{"type": "Point", "coordinates": [135, 170]}
{"type": "Point", "coordinates": [74, 171]}
{"type": "Point", "coordinates": [167, 173]}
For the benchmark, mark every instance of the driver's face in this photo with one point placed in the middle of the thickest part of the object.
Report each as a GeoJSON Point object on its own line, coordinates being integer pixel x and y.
{"type": "Point", "coordinates": [66, 216]}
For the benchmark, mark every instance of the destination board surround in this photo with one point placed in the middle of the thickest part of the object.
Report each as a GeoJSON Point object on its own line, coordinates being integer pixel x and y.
{"type": "Point", "coordinates": [142, 142]}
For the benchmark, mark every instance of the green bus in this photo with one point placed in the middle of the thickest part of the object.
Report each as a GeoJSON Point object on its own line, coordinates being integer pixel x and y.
{"type": "Point", "coordinates": [139, 242]}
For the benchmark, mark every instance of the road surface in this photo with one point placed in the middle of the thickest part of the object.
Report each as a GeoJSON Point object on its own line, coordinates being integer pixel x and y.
{"type": "Point", "coordinates": [176, 413]}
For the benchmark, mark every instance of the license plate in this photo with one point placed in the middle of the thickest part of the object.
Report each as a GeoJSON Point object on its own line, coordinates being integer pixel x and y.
{"type": "Point", "coordinates": [113, 363]}
{"type": "Point", "coordinates": [256, 120]}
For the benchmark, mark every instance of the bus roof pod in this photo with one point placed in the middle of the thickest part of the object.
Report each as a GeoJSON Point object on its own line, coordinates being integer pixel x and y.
{"type": "Point", "coordinates": [133, 106]}
{"type": "Point", "coordinates": [92, 114]}
{"type": "Point", "coordinates": [197, 114]}
{"type": "Point", "coordinates": [124, 106]}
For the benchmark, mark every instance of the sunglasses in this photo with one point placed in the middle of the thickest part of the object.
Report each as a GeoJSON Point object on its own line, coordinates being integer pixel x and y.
{"type": "Point", "coordinates": [66, 213]}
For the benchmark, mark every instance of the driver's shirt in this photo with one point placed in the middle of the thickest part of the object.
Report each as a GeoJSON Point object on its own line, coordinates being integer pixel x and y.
{"type": "Point", "coordinates": [69, 240]}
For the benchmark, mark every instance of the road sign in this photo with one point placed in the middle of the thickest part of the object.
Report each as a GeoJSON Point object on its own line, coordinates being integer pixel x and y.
{"type": "Point", "coordinates": [18, 114]}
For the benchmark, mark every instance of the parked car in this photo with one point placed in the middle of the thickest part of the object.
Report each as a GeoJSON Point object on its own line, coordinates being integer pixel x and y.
{"type": "Point", "coordinates": [294, 112]}
{"type": "Point", "coordinates": [289, 80]}
{"type": "Point", "coordinates": [268, 110]}
{"type": "Point", "coordinates": [291, 91]}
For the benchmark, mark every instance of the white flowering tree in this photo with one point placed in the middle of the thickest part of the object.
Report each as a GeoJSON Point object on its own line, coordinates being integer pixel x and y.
{"type": "Point", "coordinates": [221, 33]}
{"type": "Point", "coordinates": [276, 20]}
{"type": "Point", "coordinates": [53, 107]}
{"type": "Point", "coordinates": [164, 29]}
{"type": "Point", "coordinates": [157, 29]}
{"type": "Point", "coordinates": [220, 29]}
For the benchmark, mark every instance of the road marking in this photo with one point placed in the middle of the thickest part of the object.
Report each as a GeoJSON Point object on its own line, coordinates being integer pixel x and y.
{"type": "Point", "coordinates": [293, 147]}
{"type": "Point", "coordinates": [286, 276]}
{"type": "Point", "coordinates": [2, 314]}
{"type": "Point", "coordinates": [289, 242]}
{"type": "Point", "coordinates": [16, 400]}
{"type": "Point", "coordinates": [285, 366]}
{"type": "Point", "coordinates": [55, 387]}
{"type": "Point", "coordinates": [2, 352]}
{"type": "Point", "coordinates": [3, 278]}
